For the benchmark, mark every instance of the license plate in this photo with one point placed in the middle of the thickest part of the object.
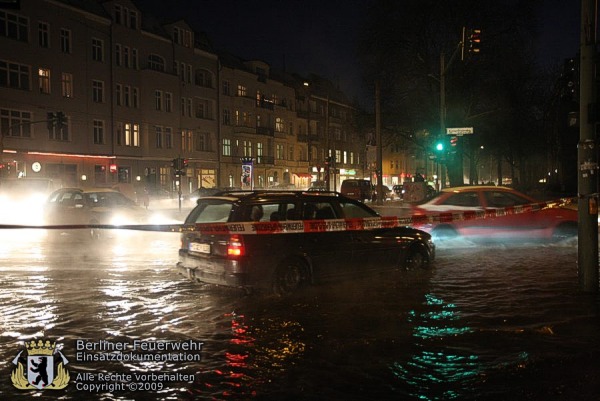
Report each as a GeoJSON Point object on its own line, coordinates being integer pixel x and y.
{"type": "Point", "coordinates": [199, 248]}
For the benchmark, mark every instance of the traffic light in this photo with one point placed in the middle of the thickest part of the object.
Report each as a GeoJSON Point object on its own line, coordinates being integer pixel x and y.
{"type": "Point", "coordinates": [61, 120]}
{"type": "Point", "coordinates": [50, 120]}
{"type": "Point", "coordinates": [439, 146]}
{"type": "Point", "coordinates": [474, 41]}
{"type": "Point", "coordinates": [179, 164]}
{"type": "Point", "coordinates": [453, 141]}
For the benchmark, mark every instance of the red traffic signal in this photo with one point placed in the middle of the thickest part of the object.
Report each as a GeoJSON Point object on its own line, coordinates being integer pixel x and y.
{"type": "Point", "coordinates": [475, 41]}
{"type": "Point", "coordinates": [453, 141]}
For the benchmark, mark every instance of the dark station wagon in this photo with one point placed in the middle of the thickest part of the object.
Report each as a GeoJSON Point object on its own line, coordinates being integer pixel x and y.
{"type": "Point", "coordinates": [271, 259]}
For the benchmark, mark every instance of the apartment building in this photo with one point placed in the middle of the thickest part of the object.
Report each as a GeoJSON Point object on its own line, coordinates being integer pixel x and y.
{"type": "Point", "coordinates": [100, 94]}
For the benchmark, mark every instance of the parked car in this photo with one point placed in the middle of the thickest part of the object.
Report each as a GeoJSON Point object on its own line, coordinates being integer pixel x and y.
{"type": "Point", "coordinates": [555, 222]}
{"type": "Point", "coordinates": [22, 199]}
{"type": "Point", "coordinates": [74, 206]}
{"type": "Point", "coordinates": [358, 189]}
{"type": "Point", "coordinates": [398, 190]}
{"type": "Point", "coordinates": [284, 262]}
{"type": "Point", "coordinates": [386, 191]}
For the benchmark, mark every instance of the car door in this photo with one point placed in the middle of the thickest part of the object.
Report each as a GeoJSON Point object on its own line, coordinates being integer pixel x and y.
{"type": "Point", "coordinates": [372, 249]}
{"type": "Point", "coordinates": [329, 249]}
{"type": "Point", "coordinates": [510, 224]}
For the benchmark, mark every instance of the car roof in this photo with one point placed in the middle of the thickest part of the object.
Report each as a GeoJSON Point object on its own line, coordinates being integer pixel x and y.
{"type": "Point", "coordinates": [477, 188]}
{"type": "Point", "coordinates": [262, 195]}
{"type": "Point", "coordinates": [89, 190]}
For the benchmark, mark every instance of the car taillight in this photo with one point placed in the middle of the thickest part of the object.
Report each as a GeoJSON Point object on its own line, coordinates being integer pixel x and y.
{"type": "Point", "coordinates": [235, 247]}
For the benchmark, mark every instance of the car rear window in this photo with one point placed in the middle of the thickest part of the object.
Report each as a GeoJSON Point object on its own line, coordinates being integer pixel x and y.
{"type": "Point", "coordinates": [213, 211]}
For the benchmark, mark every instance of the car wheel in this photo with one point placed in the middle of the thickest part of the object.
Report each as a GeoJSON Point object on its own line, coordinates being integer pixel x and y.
{"type": "Point", "coordinates": [443, 232]}
{"type": "Point", "coordinates": [416, 258]}
{"type": "Point", "coordinates": [289, 277]}
{"type": "Point", "coordinates": [565, 231]}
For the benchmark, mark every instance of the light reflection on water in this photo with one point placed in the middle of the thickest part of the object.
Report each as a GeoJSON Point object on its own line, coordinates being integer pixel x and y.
{"type": "Point", "coordinates": [482, 316]}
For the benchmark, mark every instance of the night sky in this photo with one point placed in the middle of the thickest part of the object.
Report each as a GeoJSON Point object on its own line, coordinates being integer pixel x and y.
{"type": "Point", "coordinates": [319, 36]}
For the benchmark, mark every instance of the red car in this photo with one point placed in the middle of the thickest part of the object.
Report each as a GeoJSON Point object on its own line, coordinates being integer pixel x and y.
{"type": "Point", "coordinates": [548, 223]}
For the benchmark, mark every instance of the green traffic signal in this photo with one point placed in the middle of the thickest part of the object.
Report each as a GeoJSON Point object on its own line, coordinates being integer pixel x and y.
{"type": "Point", "coordinates": [439, 146]}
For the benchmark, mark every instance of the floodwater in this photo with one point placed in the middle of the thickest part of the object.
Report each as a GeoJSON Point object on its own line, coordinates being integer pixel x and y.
{"type": "Point", "coordinates": [487, 322]}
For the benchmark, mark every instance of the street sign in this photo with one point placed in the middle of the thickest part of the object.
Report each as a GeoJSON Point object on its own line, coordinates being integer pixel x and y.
{"type": "Point", "coordinates": [459, 131]}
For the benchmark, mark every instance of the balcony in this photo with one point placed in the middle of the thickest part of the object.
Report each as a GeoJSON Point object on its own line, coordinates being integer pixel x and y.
{"type": "Point", "coordinates": [265, 160]}
{"type": "Point", "coordinates": [265, 104]}
{"type": "Point", "coordinates": [241, 129]}
{"type": "Point", "coordinates": [265, 131]}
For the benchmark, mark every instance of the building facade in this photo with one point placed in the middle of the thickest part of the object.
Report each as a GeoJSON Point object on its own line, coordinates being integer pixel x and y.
{"type": "Point", "coordinates": [99, 94]}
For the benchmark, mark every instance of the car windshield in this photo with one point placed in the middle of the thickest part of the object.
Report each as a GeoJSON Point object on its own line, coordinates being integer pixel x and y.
{"type": "Point", "coordinates": [210, 211]}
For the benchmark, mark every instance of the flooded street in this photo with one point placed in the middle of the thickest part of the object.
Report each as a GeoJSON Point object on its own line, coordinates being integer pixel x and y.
{"type": "Point", "coordinates": [487, 322]}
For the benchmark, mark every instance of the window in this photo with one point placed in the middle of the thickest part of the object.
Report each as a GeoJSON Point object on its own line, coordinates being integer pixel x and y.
{"type": "Point", "coordinates": [14, 75]}
{"type": "Point", "coordinates": [259, 152]}
{"type": "Point", "coordinates": [118, 14]}
{"type": "Point", "coordinates": [123, 175]}
{"type": "Point", "coordinates": [203, 109]}
{"type": "Point", "coordinates": [15, 123]}
{"type": "Point", "coordinates": [97, 49]}
{"type": "Point", "coordinates": [158, 99]}
{"type": "Point", "coordinates": [156, 63]}
{"type": "Point", "coordinates": [183, 37]}
{"type": "Point", "coordinates": [98, 91]}
{"type": "Point", "coordinates": [126, 95]}
{"type": "Point", "coordinates": [132, 134]}
{"type": "Point", "coordinates": [186, 140]}
{"type": "Point", "coordinates": [118, 55]}
{"type": "Point", "coordinates": [119, 94]}
{"type": "Point", "coordinates": [67, 84]}
{"type": "Point", "coordinates": [226, 88]}
{"type": "Point", "coordinates": [135, 97]}
{"type": "Point", "coordinates": [65, 40]}
{"type": "Point", "coordinates": [168, 138]}
{"type": "Point", "coordinates": [226, 117]}
{"type": "Point", "coordinates": [119, 133]}
{"type": "Point", "coordinates": [14, 26]}
{"type": "Point", "coordinates": [59, 134]}
{"type": "Point", "coordinates": [100, 174]}
{"type": "Point", "coordinates": [241, 91]}
{"type": "Point", "coordinates": [134, 59]}
{"type": "Point", "coordinates": [43, 34]}
{"type": "Point", "coordinates": [203, 78]}
{"type": "Point", "coordinates": [168, 102]}
{"type": "Point", "coordinates": [159, 136]}
{"type": "Point", "coordinates": [279, 125]}
{"type": "Point", "coordinates": [98, 132]}
{"type": "Point", "coordinates": [226, 147]}
{"type": "Point", "coordinates": [247, 148]}
{"type": "Point", "coordinates": [44, 80]}
{"type": "Point", "coordinates": [125, 56]}
{"type": "Point", "coordinates": [202, 141]}
{"type": "Point", "coordinates": [279, 152]}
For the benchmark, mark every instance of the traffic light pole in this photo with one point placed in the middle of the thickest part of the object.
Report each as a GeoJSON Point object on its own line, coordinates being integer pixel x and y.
{"type": "Point", "coordinates": [587, 155]}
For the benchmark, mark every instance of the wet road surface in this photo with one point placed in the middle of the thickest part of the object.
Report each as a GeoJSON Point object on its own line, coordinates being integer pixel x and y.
{"type": "Point", "coordinates": [487, 322]}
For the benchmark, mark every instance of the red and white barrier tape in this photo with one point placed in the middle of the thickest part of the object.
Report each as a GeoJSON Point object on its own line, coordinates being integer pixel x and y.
{"type": "Point", "coordinates": [312, 226]}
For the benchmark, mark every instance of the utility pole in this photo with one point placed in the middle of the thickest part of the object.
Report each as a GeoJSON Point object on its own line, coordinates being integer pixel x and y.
{"type": "Point", "coordinates": [379, 169]}
{"type": "Point", "coordinates": [587, 154]}
{"type": "Point", "coordinates": [441, 168]}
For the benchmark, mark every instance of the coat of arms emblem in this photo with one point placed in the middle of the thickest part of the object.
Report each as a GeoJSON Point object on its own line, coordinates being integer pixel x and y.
{"type": "Point", "coordinates": [42, 372]}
